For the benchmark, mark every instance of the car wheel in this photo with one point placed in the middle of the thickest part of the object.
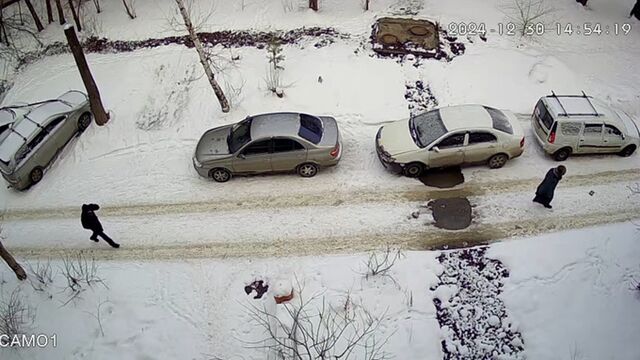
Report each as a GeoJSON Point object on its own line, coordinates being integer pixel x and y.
{"type": "Point", "coordinates": [84, 121]}
{"type": "Point", "coordinates": [628, 151]}
{"type": "Point", "coordinates": [307, 170]}
{"type": "Point", "coordinates": [497, 161]}
{"type": "Point", "coordinates": [36, 175]}
{"type": "Point", "coordinates": [562, 154]}
{"type": "Point", "coordinates": [413, 170]}
{"type": "Point", "coordinates": [220, 175]}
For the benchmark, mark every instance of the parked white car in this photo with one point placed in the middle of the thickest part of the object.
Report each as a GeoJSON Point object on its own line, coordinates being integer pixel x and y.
{"type": "Point", "coordinates": [579, 124]}
{"type": "Point", "coordinates": [450, 136]}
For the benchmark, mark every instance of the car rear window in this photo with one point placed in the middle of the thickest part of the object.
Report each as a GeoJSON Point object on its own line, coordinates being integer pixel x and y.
{"type": "Point", "coordinates": [426, 128]}
{"type": "Point", "coordinates": [499, 120]}
{"type": "Point", "coordinates": [310, 128]}
{"type": "Point", "coordinates": [543, 115]}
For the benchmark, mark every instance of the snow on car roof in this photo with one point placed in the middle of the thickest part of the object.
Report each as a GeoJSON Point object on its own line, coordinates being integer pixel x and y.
{"type": "Point", "coordinates": [274, 124]}
{"type": "Point", "coordinates": [465, 116]}
{"type": "Point", "coordinates": [7, 116]}
{"type": "Point", "coordinates": [574, 105]}
{"type": "Point", "coordinates": [26, 126]}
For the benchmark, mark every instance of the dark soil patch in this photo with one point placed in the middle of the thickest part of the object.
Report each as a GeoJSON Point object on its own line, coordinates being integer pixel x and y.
{"type": "Point", "coordinates": [228, 39]}
{"type": "Point", "coordinates": [472, 316]}
{"type": "Point", "coordinates": [443, 178]}
{"type": "Point", "coordinates": [452, 213]}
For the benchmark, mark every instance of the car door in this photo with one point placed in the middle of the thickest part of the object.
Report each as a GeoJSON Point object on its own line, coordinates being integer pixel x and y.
{"type": "Point", "coordinates": [591, 138]}
{"type": "Point", "coordinates": [55, 139]}
{"type": "Point", "coordinates": [287, 154]}
{"type": "Point", "coordinates": [481, 145]}
{"type": "Point", "coordinates": [448, 151]}
{"type": "Point", "coordinates": [612, 139]}
{"type": "Point", "coordinates": [255, 157]}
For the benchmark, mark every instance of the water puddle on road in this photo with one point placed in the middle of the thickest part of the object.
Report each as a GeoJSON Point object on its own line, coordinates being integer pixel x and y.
{"type": "Point", "coordinates": [443, 178]}
{"type": "Point", "coordinates": [451, 214]}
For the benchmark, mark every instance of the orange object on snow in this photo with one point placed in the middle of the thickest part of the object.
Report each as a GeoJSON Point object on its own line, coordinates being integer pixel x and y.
{"type": "Point", "coordinates": [284, 298]}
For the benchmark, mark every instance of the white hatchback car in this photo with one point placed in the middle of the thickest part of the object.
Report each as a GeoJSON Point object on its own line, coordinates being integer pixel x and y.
{"type": "Point", "coordinates": [450, 136]}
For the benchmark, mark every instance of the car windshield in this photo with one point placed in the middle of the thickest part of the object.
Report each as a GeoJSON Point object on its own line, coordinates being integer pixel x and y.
{"type": "Point", "coordinates": [426, 128]}
{"type": "Point", "coordinates": [239, 136]}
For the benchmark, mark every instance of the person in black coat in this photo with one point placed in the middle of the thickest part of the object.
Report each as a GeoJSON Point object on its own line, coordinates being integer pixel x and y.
{"type": "Point", "coordinates": [544, 192]}
{"type": "Point", "coordinates": [90, 221]}
{"type": "Point", "coordinates": [636, 10]}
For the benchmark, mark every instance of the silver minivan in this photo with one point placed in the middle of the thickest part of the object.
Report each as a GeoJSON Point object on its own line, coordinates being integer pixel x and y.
{"type": "Point", "coordinates": [37, 134]}
{"type": "Point", "coordinates": [579, 124]}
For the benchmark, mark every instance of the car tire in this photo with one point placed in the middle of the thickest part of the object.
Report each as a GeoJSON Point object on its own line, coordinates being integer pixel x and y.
{"type": "Point", "coordinates": [36, 175]}
{"type": "Point", "coordinates": [84, 121]}
{"type": "Point", "coordinates": [628, 151]}
{"type": "Point", "coordinates": [220, 175]}
{"type": "Point", "coordinates": [497, 161]}
{"type": "Point", "coordinates": [307, 170]}
{"type": "Point", "coordinates": [562, 154]}
{"type": "Point", "coordinates": [413, 170]}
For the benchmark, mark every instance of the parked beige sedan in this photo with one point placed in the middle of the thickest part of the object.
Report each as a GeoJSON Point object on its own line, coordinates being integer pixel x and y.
{"type": "Point", "coordinates": [450, 136]}
{"type": "Point", "coordinates": [274, 142]}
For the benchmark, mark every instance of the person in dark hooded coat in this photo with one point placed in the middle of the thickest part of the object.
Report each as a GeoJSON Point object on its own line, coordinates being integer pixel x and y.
{"type": "Point", "coordinates": [90, 221]}
{"type": "Point", "coordinates": [544, 192]}
{"type": "Point", "coordinates": [636, 10]}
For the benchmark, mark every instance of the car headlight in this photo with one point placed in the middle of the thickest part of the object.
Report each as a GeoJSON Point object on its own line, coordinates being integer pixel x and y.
{"type": "Point", "coordinates": [196, 162]}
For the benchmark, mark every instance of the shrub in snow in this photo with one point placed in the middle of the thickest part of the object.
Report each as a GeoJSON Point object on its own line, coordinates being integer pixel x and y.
{"type": "Point", "coordinates": [313, 329]}
{"type": "Point", "coordinates": [529, 16]}
{"type": "Point", "coordinates": [80, 274]}
{"type": "Point", "coordinates": [276, 58]}
{"type": "Point", "coordinates": [380, 262]}
{"type": "Point", "coordinates": [16, 317]}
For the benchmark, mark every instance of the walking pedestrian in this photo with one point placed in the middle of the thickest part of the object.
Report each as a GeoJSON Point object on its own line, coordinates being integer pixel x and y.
{"type": "Point", "coordinates": [544, 192]}
{"type": "Point", "coordinates": [636, 10]}
{"type": "Point", "coordinates": [90, 221]}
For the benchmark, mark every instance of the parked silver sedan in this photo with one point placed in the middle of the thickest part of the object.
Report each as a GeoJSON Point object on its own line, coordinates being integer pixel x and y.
{"type": "Point", "coordinates": [38, 133]}
{"type": "Point", "coordinates": [273, 142]}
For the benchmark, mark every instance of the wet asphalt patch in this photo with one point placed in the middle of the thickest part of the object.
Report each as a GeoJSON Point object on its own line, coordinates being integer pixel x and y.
{"type": "Point", "coordinates": [443, 178]}
{"type": "Point", "coordinates": [451, 214]}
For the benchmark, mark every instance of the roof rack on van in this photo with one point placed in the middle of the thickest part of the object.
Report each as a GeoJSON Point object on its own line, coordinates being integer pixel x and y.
{"type": "Point", "coordinates": [577, 112]}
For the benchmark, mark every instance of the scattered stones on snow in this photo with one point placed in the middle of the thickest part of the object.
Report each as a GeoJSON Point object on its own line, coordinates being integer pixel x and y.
{"type": "Point", "coordinates": [419, 97]}
{"type": "Point", "coordinates": [469, 310]}
{"type": "Point", "coordinates": [227, 38]}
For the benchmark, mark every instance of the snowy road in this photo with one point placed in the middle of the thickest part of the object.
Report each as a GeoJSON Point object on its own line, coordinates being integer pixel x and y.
{"type": "Point", "coordinates": [327, 224]}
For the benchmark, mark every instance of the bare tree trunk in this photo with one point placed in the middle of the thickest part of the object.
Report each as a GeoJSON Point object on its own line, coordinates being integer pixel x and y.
{"type": "Point", "coordinates": [366, 5]}
{"type": "Point", "coordinates": [13, 264]}
{"type": "Point", "coordinates": [224, 103]}
{"type": "Point", "coordinates": [95, 102]}
{"type": "Point", "coordinates": [60, 13]}
{"type": "Point", "coordinates": [49, 11]}
{"type": "Point", "coordinates": [129, 11]}
{"type": "Point", "coordinates": [34, 14]}
{"type": "Point", "coordinates": [313, 4]}
{"type": "Point", "coordinates": [75, 15]}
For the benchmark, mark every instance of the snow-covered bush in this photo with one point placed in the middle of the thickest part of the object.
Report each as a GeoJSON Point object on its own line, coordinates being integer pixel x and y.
{"type": "Point", "coordinates": [380, 262]}
{"type": "Point", "coordinates": [16, 316]}
{"type": "Point", "coordinates": [529, 16]}
{"type": "Point", "coordinates": [313, 329]}
{"type": "Point", "coordinates": [276, 58]}
{"type": "Point", "coordinates": [80, 273]}
{"type": "Point", "coordinates": [41, 275]}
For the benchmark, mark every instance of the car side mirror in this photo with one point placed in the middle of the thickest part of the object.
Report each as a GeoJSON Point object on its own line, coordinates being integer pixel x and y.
{"type": "Point", "coordinates": [241, 156]}
{"type": "Point", "coordinates": [436, 149]}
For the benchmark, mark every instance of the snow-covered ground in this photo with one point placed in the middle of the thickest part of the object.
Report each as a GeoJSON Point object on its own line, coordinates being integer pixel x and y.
{"type": "Point", "coordinates": [569, 293]}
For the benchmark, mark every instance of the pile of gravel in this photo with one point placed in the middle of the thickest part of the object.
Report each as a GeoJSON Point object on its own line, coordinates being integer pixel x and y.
{"type": "Point", "coordinates": [471, 315]}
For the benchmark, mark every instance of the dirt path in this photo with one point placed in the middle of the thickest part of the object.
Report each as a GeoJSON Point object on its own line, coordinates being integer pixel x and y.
{"type": "Point", "coordinates": [414, 193]}
{"type": "Point", "coordinates": [428, 239]}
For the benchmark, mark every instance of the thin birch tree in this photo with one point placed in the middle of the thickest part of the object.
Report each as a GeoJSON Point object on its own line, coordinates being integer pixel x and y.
{"type": "Point", "coordinates": [224, 103]}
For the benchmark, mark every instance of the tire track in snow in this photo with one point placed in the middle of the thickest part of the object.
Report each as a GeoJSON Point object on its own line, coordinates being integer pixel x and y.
{"type": "Point", "coordinates": [430, 238]}
{"type": "Point", "coordinates": [412, 193]}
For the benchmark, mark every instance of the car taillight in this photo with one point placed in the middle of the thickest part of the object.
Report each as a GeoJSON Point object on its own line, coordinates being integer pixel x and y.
{"type": "Point", "coordinates": [335, 151]}
{"type": "Point", "coordinates": [552, 137]}
{"type": "Point", "coordinates": [522, 142]}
